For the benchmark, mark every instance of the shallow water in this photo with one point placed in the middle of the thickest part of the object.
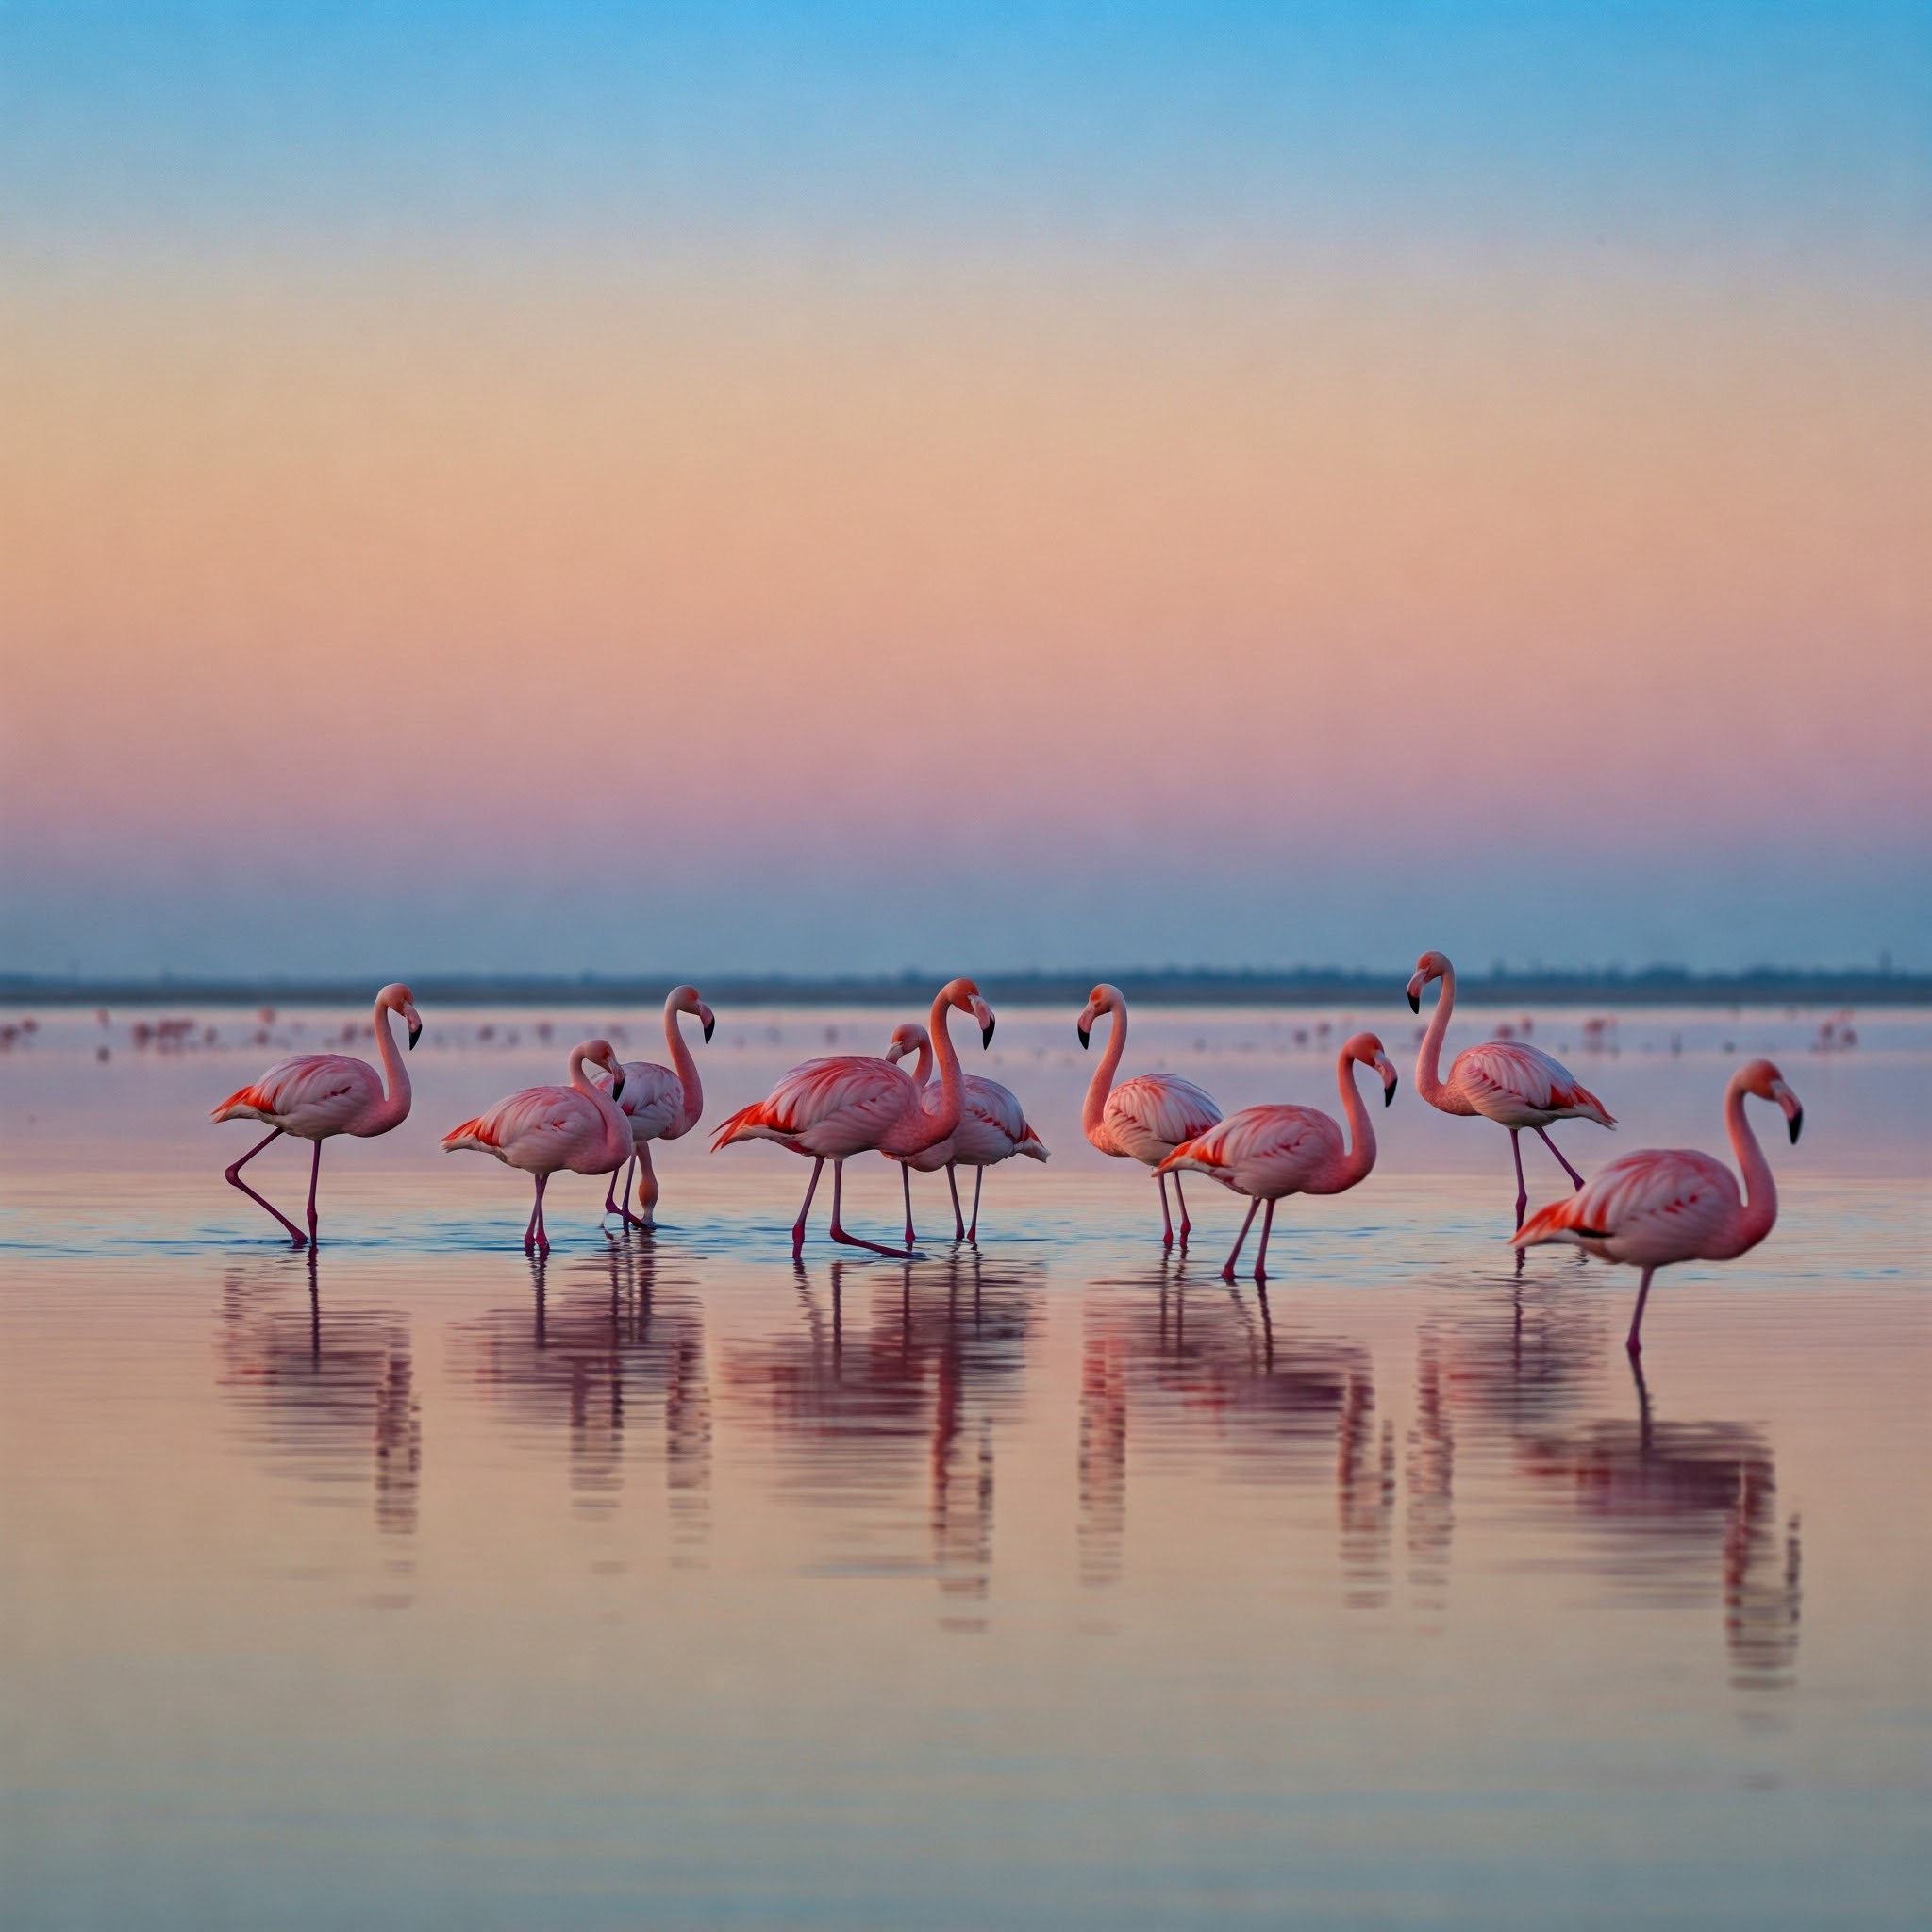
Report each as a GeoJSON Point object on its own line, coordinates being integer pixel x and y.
{"type": "Point", "coordinates": [1049, 1583]}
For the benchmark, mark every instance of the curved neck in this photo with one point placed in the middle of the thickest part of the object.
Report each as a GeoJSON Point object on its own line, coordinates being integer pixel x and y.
{"type": "Point", "coordinates": [921, 1067]}
{"type": "Point", "coordinates": [1093, 1109]}
{"type": "Point", "coordinates": [395, 1102]}
{"type": "Point", "coordinates": [578, 1078]}
{"type": "Point", "coordinates": [1360, 1156]}
{"type": "Point", "coordinates": [1760, 1192]}
{"type": "Point", "coordinates": [1428, 1081]}
{"type": "Point", "coordinates": [687, 1071]}
{"type": "Point", "coordinates": [942, 1119]}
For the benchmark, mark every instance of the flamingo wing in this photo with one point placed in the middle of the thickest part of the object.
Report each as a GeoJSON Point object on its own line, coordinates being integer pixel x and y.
{"type": "Point", "coordinates": [539, 1128]}
{"type": "Point", "coordinates": [851, 1098]}
{"type": "Point", "coordinates": [993, 1126]}
{"type": "Point", "coordinates": [1264, 1150]}
{"type": "Point", "coordinates": [1660, 1204]}
{"type": "Point", "coordinates": [1151, 1115]}
{"type": "Point", "coordinates": [653, 1098]}
{"type": "Point", "coordinates": [309, 1094]}
{"type": "Point", "coordinates": [1505, 1078]}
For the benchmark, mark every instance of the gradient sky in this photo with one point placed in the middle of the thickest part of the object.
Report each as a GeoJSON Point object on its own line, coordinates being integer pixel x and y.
{"type": "Point", "coordinates": [833, 487]}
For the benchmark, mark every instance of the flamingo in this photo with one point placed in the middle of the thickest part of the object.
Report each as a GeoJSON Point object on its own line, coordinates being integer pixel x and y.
{"type": "Point", "coordinates": [1663, 1205]}
{"type": "Point", "coordinates": [662, 1104]}
{"type": "Point", "coordinates": [1143, 1119]}
{"type": "Point", "coordinates": [542, 1129]}
{"type": "Point", "coordinates": [993, 1128]}
{"type": "Point", "coordinates": [312, 1096]}
{"type": "Point", "coordinates": [1269, 1151]}
{"type": "Point", "coordinates": [835, 1107]}
{"type": "Point", "coordinates": [1506, 1080]}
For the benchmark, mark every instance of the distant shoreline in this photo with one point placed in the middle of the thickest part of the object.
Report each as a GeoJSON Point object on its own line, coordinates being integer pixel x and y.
{"type": "Point", "coordinates": [1658, 986]}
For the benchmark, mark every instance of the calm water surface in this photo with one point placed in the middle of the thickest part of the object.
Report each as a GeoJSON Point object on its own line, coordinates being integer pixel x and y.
{"type": "Point", "coordinates": [1050, 1582]}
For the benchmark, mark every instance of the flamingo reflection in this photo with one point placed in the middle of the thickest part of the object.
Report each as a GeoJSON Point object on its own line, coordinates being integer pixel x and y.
{"type": "Point", "coordinates": [602, 1344]}
{"type": "Point", "coordinates": [324, 1391]}
{"type": "Point", "coordinates": [863, 1406]}
{"type": "Point", "coordinates": [1666, 1503]}
{"type": "Point", "coordinates": [1198, 1368]}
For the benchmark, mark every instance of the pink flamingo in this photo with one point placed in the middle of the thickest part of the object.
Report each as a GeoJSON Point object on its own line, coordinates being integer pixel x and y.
{"type": "Point", "coordinates": [993, 1128]}
{"type": "Point", "coordinates": [1143, 1119]}
{"type": "Point", "coordinates": [542, 1129]}
{"type": "Point", "coordinates": [1663, 1205]}
{"type": "Point", "coordinates": [1506, 1080]}
{"type": "Point", "coordinates": [835, 1107]}
{"type": "Point", "coordinates": [662, 1104]}
{"type": "Point", "coordinates": [1269, 1151]}
{"type": "Point", "coordinates": [312, 1096]}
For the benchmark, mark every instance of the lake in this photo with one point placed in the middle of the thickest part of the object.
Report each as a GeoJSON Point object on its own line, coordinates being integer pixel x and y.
{"type": "Point", "coordinates": [1050, 1582]}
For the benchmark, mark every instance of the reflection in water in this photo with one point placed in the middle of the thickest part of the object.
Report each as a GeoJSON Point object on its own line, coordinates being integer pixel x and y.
{"type": "Point", "coordinates": [1667, 1502]}
{"type": "Point", "coordinates": [1202, 1366]}
{"type": "Point", "coordinates": [857, 1405]}
{"type": "Point", "coordinates": [599, 1342]}
{"type": "Point", "coordinates": [326, 1390]}
{"type": "Point", "coordinates": [1517, 1356]}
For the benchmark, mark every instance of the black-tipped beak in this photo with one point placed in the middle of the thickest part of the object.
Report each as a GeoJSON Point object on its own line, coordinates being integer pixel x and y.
{"type": "Point", "coordinates": [711, 1026]}
{"type": "Point", "coordinates": [416, 1033]}
{"type": "Point", "coordinates": [617, 1087]}
{"type": "Point", "coordinates": [1415, 1001]}
{"type": "Point", "coordinates": [1082, 1032]}
{"type": "Point", "coordinates": [1388, 1092]}
{"type": "Point", "coordinates": [1797, 1123]}
{"type": "Point", "coordinates": [986, 1034]}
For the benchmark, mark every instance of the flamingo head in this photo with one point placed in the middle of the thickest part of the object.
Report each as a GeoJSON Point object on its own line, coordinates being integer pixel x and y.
{"type": "Point", "coordinates": [963, 994]}
{"type": "Point", "coordinates": [1763, 1080]}
{"type": "Point", "coordinates": [684, 999]}
{"type": "Point", "coordinates": [399, 999]}
{"type": "Point", "coordinates": [1367, 1048]}
{"type": "Point", "coordinates": [909, 1038]}
{"type": "Point", "coordinates": [1430, 966]}
{"type": "Point", "coordinates": [1103, 999]}
{"type": "Point", "coordinates": [600, 1052]}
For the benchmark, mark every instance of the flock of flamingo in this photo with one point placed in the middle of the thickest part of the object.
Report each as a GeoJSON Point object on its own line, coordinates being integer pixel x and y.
{"type": "Point", "coordinates": [1647, 1209]}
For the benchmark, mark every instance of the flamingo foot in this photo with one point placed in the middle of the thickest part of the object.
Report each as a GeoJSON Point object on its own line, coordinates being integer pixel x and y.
{"type": "Point", "coordinates": [1227, 1273]}
{"type": "Point", "coordinates": [849, 1239]}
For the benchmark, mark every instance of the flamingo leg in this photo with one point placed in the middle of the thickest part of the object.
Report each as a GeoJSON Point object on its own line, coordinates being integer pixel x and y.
{"type": "Point", "coordinates": [1227, 1268]}
{"type": "Point", "coordinates": [1558, 1153]}
{"type": "Point", "coordinates": [906, 1183]}
{"type": "Point", "coordinates": [647, 1187]}
{"type": "Point", "coordinates": [838, 1232]}
{"type": "Point", "coordinates": [1166, 1219]}
{"type": "Point", "coordinates": [314, 1176]}
{"type": "Point", "coordinates": [536, 1237]}
{"type": "Point", "coordinates": [1187, 1225]}
{"type": "Point", "coordinates": [811, 1188]}
{"type": "Point", "coordinates": [978, 1179]}
{"type": "Point", "coordinates": [1522, 1185]}
{"type": "Point", "coordinates": [1635, 1341]}
{"type": "Point", "coordinates": [614, 1202]}
{"type": "Point", "coordinates": [233, 1177]}
{"type": "Point", "coordinates": [1261, 1259]}
{"type": "Point", "coordinates": [958, 1219]}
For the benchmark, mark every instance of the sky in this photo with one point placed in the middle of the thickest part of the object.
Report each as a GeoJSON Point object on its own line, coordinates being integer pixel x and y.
{"type": "Point", "coordinates": [845, 488]}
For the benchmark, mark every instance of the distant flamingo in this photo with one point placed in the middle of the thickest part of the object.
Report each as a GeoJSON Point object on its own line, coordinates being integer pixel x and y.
{"type": "Point", "coordinates": [835, 1107]}
{"type": "Point", "coordinates": [1663, 1205]}
{"type": "Point", "coordinates": [1269, 1151]}
{"type": "Point", "coordinates": [1144, 1119]}
{"type": "Point", "coordinates": [993, 1128]}
{"type": "Point", "coordinates": [542, 1129]}
{"type": "Point", "coordinates": [312, 1096]}
{"type": "Point", "coordinates": [661, 1105]}
{"type": "Point", "coordinates": [1506, 1080]}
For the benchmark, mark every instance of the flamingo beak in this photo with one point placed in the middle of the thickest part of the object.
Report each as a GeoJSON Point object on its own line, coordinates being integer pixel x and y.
{"type": "Point", "coordinates": [1084, 1024]}
{"type": "Point", "coordinates": [1388, 1082]}
{"type": "Point", "coordinates": [1415, 993]}
{"type": "Point", "coordinates": [1794, 1114]}
{"type": "Point", "coordinates": [415, 1020]}
{"type": "Point", "coordinates": [709, 1019]}
{"type": "Point", "coordinates": [617, 1083]}
{"type": "Point", "coordinates": [982, 1013]}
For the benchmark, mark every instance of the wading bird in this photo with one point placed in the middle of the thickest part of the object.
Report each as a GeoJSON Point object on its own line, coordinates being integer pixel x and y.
{"type": "Point", "coordinates": [1663, 1205]}
{"type": "Point", "coordinates": [543, 1129]}
{"type": "Point", "coordinates": [1505, 1080]}
{"type": "Point", "coordinates": [851, 1103]}
{"type": "Point", "coordinates": [1269, 1151]}
{"type": "Point", "coordinates": [993, 1128]}
{"type": "Point", "coordinates": [311, 1097]}
{"type": "Point", "coordinates": [663, 1102]}
{"type": "Point", "coordinates": [1143, 1119]}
